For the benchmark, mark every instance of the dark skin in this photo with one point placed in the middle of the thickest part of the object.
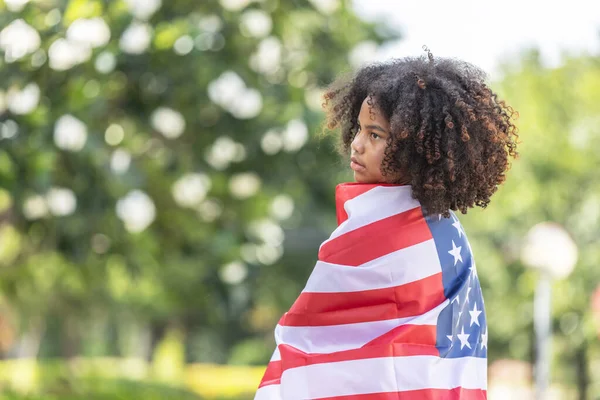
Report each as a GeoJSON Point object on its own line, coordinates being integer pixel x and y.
{"type": "Point", "coordinates": [443, 130]}
{"type": "Point", "coordinates": [369, 145]}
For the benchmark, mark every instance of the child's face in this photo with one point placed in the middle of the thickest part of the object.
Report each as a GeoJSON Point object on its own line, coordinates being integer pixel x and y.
{"type": "Point", "coordinates": [369, 144]}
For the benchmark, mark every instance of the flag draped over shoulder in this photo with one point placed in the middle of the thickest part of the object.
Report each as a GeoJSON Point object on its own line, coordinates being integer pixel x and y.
{"type": "Point", "coordinates": [392, 310]}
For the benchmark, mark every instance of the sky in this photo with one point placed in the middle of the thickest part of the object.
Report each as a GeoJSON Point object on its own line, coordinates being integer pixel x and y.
{"type": "Point", "coordinates": [485, 32]}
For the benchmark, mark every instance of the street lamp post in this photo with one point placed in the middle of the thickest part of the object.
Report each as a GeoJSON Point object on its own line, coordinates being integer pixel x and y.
{"type": "Point", "coordinates": [542, 320]}
{"type": "Point", "coordinates": [549, 249]}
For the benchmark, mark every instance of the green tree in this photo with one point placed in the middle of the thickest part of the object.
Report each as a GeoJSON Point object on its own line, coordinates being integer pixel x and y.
{"type": "Point", "coordinates": [154, 158]}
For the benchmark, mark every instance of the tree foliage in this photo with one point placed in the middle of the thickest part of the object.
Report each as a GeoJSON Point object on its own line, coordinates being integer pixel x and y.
{"type": "Point", "coordinates": [154, 157]}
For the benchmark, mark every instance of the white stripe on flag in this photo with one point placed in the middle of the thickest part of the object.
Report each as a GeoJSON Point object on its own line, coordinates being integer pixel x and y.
{"type": "Point", "coordinates": [333, 338]}
{"type": "Point", "coordinates": [376, 204]}
{"type": "Point", "coordinates": [387, 374]}
{"type": "Point", "coordinates": [276, 355]}
{"type": "Point", "coordinates": [394, 269]}
{"type": "Point", "coordinates": [269, 392]}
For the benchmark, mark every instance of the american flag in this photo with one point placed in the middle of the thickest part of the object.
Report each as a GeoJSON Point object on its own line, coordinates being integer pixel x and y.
{"type": "Point", "coordinates": [392, 310]}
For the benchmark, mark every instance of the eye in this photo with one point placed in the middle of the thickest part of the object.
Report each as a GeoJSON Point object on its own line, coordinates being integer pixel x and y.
{"type": "Point", "coordinates": [374, 135]}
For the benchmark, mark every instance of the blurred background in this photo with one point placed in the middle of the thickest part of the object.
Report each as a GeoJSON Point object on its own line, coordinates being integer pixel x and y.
{"type": "Point", "coordinates": [164, 186]}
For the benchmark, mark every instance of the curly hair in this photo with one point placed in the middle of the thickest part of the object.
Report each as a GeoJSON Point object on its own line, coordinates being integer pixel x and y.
{"type": "Point", "coordinates": [450, 134]}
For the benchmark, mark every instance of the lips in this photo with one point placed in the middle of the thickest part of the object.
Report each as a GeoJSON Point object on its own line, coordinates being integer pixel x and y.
{"type": "Point", "coordinates": [356, 165]}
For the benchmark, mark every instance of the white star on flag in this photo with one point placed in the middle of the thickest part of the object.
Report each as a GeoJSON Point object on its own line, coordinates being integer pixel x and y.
{"type": "Point", "coordinates": [463, 337]}
{"type": "Point", "coordinates": [456, 224]}
{"type": "Point", "coordinates": [484, 339]}
{"type": "Point", "coordinates": [449, 337]}
{"type": "Point", "coordinates": [473, 269]}
{"type": "Point", "coordinates": [455, 252]}
{"type": "Point", "coordinates": [475, 315]}
{"type": "Point", "coordinates": [456, 299]}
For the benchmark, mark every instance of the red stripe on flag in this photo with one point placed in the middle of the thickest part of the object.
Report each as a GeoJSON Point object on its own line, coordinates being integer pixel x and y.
{"type": "Point", "coordinates": [272, 374]}
{"type": "Point", "coordinates": [377, 239]}
{"type": "Point", "coordinates": [294, 358]}
{"type": "Point", "coordinates": [415, 334]}
{"type": "Point", "coordinates": [423, 394]}
{"type": "Point", "coordinates": [411, 299]}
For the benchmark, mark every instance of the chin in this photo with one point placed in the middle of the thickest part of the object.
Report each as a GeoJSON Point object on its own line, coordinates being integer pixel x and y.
{"type": "Point", "coordinates": [362, 179]}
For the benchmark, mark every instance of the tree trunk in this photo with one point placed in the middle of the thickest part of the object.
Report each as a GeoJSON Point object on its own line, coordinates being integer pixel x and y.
{"type": "Point", "coordinates": [70, 338]}
{"type": "Point", "coordinates": [581, 363]}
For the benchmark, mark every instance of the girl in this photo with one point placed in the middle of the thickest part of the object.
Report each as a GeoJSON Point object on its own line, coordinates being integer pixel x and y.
{"type": "Point", "coordinates": [393, 308]}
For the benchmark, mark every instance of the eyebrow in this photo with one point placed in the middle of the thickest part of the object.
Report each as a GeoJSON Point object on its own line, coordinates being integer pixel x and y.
{"type": "Point", "coordinates": [374, 127]}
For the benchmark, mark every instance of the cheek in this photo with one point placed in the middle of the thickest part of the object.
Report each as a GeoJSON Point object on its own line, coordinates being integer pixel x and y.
{"type": "Point", "coordinates": [380, 153]}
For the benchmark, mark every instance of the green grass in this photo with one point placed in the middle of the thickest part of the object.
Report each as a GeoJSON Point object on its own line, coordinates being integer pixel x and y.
{"type": "Point", "coordinates": [104, 389]}
{"type": "Point", "coordinates": [131, 379]}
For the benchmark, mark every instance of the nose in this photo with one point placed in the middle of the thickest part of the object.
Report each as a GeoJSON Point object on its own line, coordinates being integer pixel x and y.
{"type": "Point", "coordinates": [357, 144]}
